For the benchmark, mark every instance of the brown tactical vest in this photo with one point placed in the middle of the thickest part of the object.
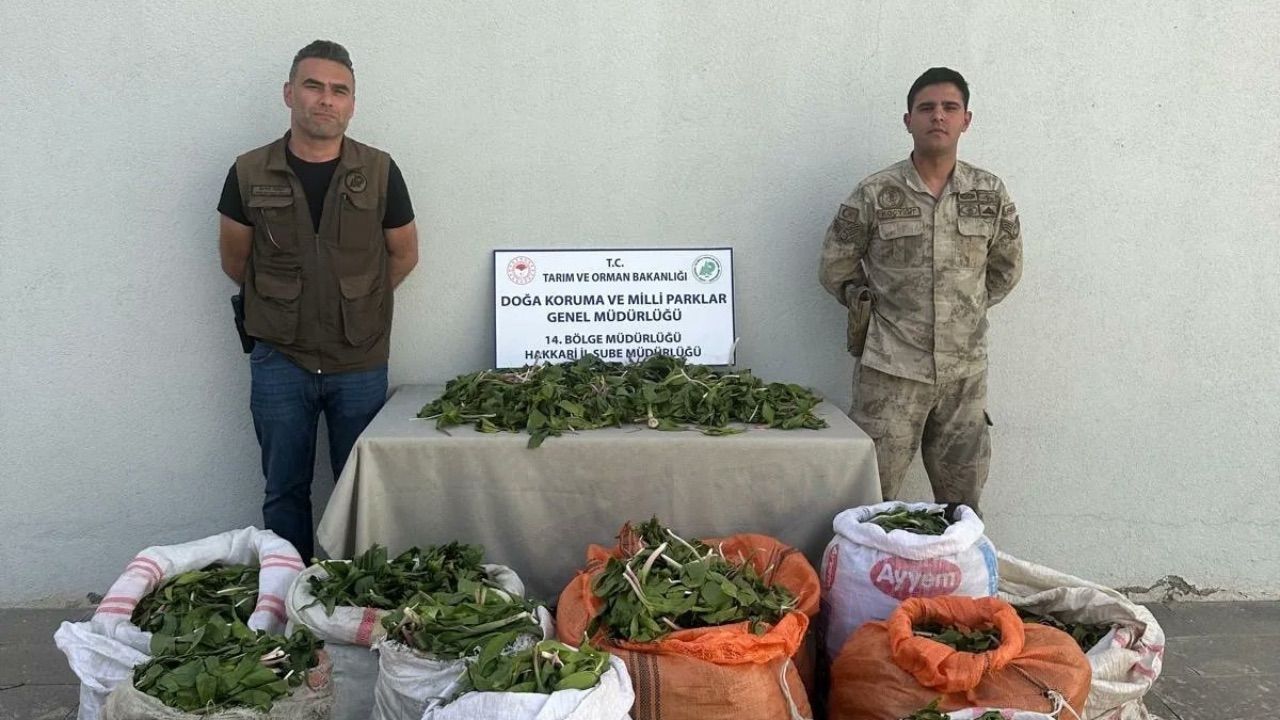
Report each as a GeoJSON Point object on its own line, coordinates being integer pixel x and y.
{"type": "Point", "coordinates": [323, 299]}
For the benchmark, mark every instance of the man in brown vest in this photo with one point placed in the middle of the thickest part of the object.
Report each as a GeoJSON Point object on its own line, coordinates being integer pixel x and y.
{"type": "Point", "coordinates": [318, 230]}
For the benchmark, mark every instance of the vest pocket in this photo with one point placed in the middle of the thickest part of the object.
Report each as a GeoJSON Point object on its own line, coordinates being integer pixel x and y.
{"type": "Point", "coordinates": [358, 223]}
{"type": "Point", "coordinates": [272, 216]}
{"type": "Point", "coordinates": [362, 308]}
{"type": "Point", "coordinates": [277, 313]}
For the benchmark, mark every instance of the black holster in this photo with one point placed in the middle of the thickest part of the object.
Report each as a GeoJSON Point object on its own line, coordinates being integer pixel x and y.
{"type": "Point", "coordinates": [237, 309]}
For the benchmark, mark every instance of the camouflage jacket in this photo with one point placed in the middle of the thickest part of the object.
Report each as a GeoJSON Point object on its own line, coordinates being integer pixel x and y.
{"type": "Point", "coordinates": [933, 267]}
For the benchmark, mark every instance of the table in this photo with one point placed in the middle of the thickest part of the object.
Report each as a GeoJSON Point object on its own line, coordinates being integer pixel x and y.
{"type": "Point", "coordinates": [407, 483]}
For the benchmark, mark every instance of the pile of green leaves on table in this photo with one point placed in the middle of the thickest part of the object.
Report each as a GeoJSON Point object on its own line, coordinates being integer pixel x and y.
{"type": "Point", "coordinates": [664, 583]}
{"type": "Point", "coordinates": [926, 521]}
{"type": "Point", "coordinates": [1086, 635]}
{"type": "Point", "coordinates": [931, 712]}
{"type": "Point", "coordinates": [371, 580]}
{"type": "Point", "coordinates": [546, 667]}
{"type": "Point", "coordinates": [962, 639]}
{"type": "Point", "coordinates": [450, 625]}
{"type": "Point", "coordinates": [205, 656]}
{"type": "Point", "coordinates": [660, 392]}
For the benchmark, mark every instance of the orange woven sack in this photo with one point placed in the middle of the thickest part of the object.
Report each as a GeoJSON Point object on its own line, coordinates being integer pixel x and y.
{"type": "Point", "coordinates": [713, 673]}
{"type": "Point", "coordinates": [885, 672]}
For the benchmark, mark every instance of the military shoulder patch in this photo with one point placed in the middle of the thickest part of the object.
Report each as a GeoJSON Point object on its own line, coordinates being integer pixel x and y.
{"type": "Point", "coordinates": [846, 225]}
{"type": "Point", "coordinates": [1010, 229]}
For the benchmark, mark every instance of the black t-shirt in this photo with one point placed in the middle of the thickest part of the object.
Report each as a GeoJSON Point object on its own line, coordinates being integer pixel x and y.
{"type": "Point", "coordinates": [315, 179]}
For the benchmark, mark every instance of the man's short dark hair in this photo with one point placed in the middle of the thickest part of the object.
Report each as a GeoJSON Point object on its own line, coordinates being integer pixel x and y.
{"type": "Point", "coordinates": [323, 50]}
{"type": "Point", "coordinates": [936, 76]}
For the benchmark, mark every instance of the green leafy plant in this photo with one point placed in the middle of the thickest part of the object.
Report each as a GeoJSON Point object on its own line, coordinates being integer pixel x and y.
{"type": "Point", "coordinates": [661, 392]}
{"type": "Point", "coordinates": [204, 655]}
{"type": "Point", "coordinates": [920, 522]}
{"type": "Point", "coordinates": [452, 625]}
{"type": "Point", "coordinates": [223, 664]}
{"type": "Point", "coordinates": [664, 583]}
{"type": "Point", "coordinates": [545, 667]}
{"type": "Point", "coordinates": [371, 580]}
{"type": "Point", "coordinates": [1086, 635]}
{"type": "Point", "coordinates": [931, 712]}
{"type": "Point", "coordinates": [189, 599]}
{"type": "Point", "coordinates": [962, 639]}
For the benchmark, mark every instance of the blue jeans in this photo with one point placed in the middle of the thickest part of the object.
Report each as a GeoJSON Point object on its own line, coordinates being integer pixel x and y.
{"type": "Point", "coordinates": [286, 402]}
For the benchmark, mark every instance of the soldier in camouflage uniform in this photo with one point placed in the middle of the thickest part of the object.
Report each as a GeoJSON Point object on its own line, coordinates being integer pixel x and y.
{"type": "Point", "coordinates": [918, 253]}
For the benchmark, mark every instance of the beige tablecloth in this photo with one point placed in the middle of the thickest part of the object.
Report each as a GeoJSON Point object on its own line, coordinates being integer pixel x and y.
{"type": "Point", "coordinates": [407, 483]}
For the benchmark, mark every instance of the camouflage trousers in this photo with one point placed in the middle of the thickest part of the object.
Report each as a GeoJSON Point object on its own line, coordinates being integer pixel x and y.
{"type": "Point", "coordinates": [947, 422]}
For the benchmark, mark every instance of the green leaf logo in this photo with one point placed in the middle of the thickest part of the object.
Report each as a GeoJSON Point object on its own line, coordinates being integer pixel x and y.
{"type": "Point", "coordinates": [706, 268]}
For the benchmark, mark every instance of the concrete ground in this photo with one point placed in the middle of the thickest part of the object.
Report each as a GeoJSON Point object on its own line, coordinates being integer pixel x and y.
{"type": "Point", "coordinates": [1222, 662]}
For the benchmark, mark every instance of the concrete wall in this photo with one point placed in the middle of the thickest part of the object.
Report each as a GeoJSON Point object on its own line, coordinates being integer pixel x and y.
{"type": "Point", "coordinates": [1134, 373]}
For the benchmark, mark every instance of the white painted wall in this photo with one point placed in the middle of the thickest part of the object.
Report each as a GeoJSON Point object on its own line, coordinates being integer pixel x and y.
{"type": "Point", "coordinates": [1134, 373]}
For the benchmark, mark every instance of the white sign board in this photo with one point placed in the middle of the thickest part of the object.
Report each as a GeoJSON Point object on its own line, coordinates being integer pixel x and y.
{"type": "Point", "coordinates": [621, 305]}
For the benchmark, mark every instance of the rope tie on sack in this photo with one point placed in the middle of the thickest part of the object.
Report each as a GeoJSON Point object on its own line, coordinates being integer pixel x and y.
{"type": "Point", "coordinates": [786, 692]}
{"type": "Point", "coordinates": [1055, 698]}
{"type": "Point", "coordinates": [1059, 704]}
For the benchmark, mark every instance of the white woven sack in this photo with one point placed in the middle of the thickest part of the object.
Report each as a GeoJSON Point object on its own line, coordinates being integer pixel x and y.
{"type": "Point", "coordinates": [867, 572]}
{"type": "Point", "coordinates": [610, 699]}
{"type": "Point", "coordinates": [409, 680]}
{"type": "Point", "coordinates": [103, 651]}
{"type": "Point", "coordinates": [355, 675]}
{"type": "Point", "coordinates": [1125, 663]}
{"type": "Point", "coordinates": [350, 634]}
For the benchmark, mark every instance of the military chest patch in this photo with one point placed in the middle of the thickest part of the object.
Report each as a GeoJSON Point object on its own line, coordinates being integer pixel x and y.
{"type": "Point", "coordinates": [897, 213]}
{"type": "Point", "coordinates": [356, 181]}
{"type": "Point", "coordinates": [890, 197]}
{"type": "Point", "coordinates": [983, 204]}
{"type": "Point", "coordinates": [271, 190]}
